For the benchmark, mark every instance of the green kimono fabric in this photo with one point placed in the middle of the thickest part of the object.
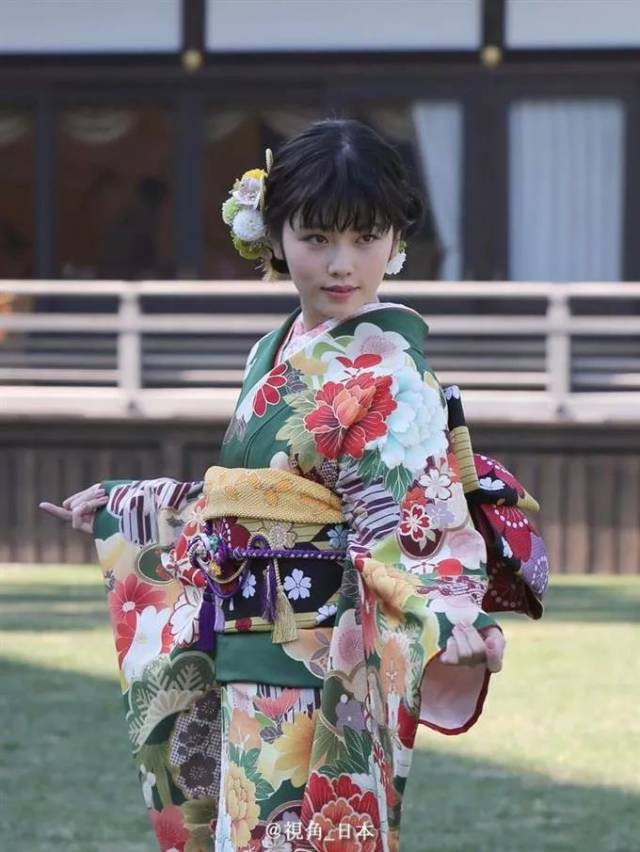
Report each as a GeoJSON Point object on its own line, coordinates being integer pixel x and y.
{"type": "Point", "coordinates": [354, 407]}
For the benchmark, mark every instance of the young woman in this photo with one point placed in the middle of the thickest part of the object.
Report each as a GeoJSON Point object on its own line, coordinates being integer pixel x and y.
{"type": "Point", "coordinates": [320, 593]}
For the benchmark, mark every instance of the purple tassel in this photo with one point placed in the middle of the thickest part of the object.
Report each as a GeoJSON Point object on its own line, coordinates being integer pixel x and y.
{"type": "Point", "coordinates": [207, 623]}
{"type": "Point", "coordinates": [219, 618]}
{"type": "Point", "coordinates": [268, 592]}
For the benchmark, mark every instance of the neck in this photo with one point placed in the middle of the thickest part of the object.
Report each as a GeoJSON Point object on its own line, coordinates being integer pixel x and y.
{"type": "Point", "coordinates": [312, 320]}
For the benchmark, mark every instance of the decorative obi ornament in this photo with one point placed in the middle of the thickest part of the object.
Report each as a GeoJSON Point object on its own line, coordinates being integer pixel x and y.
{"type": "Point", "coordinates": [517, 562]}
{"type": "Point", "coordinates": [266, 549]}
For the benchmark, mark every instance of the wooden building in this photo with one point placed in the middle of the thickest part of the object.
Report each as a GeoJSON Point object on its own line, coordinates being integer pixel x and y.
{"type": "Point", "coordinates": [123, 123]}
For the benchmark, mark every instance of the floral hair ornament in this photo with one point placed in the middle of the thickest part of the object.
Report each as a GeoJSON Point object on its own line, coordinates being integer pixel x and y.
{"type": "Point", "coordinates": [244, 213]}
{"type": "Point", "coordinates": [397, 261]}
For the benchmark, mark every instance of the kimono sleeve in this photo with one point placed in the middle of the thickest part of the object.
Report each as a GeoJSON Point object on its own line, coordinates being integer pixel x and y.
{"type": "Point", "coordinates": [421, 562]}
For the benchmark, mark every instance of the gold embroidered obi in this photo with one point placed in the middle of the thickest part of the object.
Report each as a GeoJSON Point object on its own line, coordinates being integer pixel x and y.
{"type": "Point", "coordinates": [267, 547]}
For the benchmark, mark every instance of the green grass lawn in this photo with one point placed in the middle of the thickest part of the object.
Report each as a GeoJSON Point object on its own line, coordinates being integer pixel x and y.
{"type": "Point", "coordinates": [552, 764]}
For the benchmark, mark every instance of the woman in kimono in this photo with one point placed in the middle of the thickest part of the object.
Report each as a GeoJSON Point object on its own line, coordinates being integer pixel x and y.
{"type": "Point", "coordinates": [284, 626]}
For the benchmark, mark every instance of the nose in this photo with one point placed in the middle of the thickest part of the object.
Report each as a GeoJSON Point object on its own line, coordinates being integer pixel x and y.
{"type": "Point", "coordinates": [340, 263]}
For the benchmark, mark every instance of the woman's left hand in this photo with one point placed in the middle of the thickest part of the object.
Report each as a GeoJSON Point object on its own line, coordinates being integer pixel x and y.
{"type": "Point", "coordinates": [470, 647]}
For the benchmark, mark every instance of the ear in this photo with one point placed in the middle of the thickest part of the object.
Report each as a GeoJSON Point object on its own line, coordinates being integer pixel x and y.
{"type": "Point", "coordinates": [276, 247]}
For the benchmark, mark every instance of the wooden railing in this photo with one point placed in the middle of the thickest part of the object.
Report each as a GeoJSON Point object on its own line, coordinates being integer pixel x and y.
{"type": "Point", "coordinates": [527, 352]}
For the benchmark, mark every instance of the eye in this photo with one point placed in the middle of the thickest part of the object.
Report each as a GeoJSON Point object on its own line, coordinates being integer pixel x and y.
{"type": "Point", "coordinates": [314, 236]}
{"type": "Point", "coordinates": [374, 237]}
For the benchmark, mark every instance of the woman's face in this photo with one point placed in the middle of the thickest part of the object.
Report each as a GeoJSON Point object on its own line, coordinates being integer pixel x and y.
{"type": "Point", "coordinates": [334, 273]}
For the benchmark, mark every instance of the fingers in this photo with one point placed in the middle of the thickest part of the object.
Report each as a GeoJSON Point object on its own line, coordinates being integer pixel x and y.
{"type": "Point", "coordinates": [56, 511]}
{"type": "Point", "coordinates": [79, 512]}
{"type": "Point", "coordinates": [468, 647]}
{"type": "Point", "coordinates": [470, 644]}
{"type": "Point", "coordinates": [83, 515]}
{"type": "Point", "coordinates": [90, 493]}
{"type": "Point", "coordinates": [494, 643]}
{"type": "Point", "coordinates": [450, 655]}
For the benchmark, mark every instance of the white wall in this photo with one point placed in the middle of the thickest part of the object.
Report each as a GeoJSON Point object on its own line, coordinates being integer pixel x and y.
{"type": "Point", "coordinates": [324, 25]}
{"type": "Point", "coordinates": [96, 26]}
{"type": "Point", "coordinates": [572, 23]}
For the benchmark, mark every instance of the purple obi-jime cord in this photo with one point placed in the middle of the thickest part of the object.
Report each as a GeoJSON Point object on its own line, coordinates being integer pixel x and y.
{"type": "Point", "coordinates": [202, 555]}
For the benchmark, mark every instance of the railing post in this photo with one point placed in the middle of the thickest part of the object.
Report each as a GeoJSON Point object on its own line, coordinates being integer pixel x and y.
{"type": "Point", "coordinates": [129, 349]}
{"type": "Point", "coordinates": [559, 350]}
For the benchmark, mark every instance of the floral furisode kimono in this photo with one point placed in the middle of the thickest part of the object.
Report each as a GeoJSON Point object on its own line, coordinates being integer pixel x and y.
{"type": "Point", "coordinates": [279, 624]}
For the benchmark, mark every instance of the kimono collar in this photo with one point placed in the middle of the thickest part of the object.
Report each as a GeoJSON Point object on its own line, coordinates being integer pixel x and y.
{"type": "Point", "coordinates": [295, 337]}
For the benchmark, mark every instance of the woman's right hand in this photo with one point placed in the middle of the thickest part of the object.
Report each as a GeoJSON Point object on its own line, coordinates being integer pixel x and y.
{"type": "Point", "coordinates": [80, 509]}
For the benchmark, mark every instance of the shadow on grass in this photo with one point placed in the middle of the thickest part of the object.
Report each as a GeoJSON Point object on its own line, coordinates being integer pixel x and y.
{"type": "Point", "coordinates": [60, 607]}
{"type": "Point", "coordinates": [69, 783]}
{"type": "Point", "coordinates": [456, 804]}
{"type": "Point", "coordinates": [68, 780]}
{"type": "Point", "coordinates": [613, 599]}
{"type": "Point", "coordinates": [52, 606]}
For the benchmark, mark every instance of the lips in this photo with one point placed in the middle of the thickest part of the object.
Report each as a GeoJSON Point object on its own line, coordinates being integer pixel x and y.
{"type": "Point", "coordinates": [341, 289]}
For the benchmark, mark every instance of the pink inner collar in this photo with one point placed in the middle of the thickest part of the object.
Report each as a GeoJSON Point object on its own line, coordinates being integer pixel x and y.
{"type": "Point", "coordinates": [298, 330]}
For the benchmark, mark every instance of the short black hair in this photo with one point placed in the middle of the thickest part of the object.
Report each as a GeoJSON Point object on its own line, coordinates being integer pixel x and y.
{"type": "Point", "coordinates": [340, 174]}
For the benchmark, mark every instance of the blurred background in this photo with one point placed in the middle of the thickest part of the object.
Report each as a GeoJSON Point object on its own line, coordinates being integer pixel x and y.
{"type": "Point", "coordinates": [123, 123]}
{"type": "Point", "coordinates": [126, 317]}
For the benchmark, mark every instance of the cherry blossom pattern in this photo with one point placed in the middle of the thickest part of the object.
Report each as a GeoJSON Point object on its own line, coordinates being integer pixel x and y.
{"type": "Point", "coordinates": [249, 585]}
{"type": "Point", "coordinates": [436, 482]}
{"type": "Point", "coordinates": [415, 523]}
{"type": "Point", "coordinates": [297, 585]}
{"type": "Point", "coordinates": [349, 714]}
{"type": "Point", "coordinates": [417, 534]}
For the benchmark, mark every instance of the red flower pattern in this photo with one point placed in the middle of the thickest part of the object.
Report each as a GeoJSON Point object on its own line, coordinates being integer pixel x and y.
{"type": "Point", "coordinates": [350, 414]}
{"type": "Point", "coordinates": [125, 630]}
{"type": "Point", "coordinates": [168, 825]}
{"type": "Point", "coordinates": [269, 392]}
{"type": "Point", "coordinates": [415, 522]}
{"type": "Point", "coordinates": [362, 362]}
{"type": "Point", "coordinates": [332, 804]}
{"type": "Point", "coordinates": [131, 596]}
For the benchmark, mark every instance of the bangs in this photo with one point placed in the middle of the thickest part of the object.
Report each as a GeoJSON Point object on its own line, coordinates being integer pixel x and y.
{"type": "Point", "coordinates": [338, 175]}
{"type": "Point", "coordinates": [341, 201]}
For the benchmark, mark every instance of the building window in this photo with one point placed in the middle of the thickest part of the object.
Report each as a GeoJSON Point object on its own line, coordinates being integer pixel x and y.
{"type": "Point", "coordinates": [16, 192]}
{"type": "Point", "coordinates": [114, 196]}
{"type": "Point", "coordinates": [566, 200]}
